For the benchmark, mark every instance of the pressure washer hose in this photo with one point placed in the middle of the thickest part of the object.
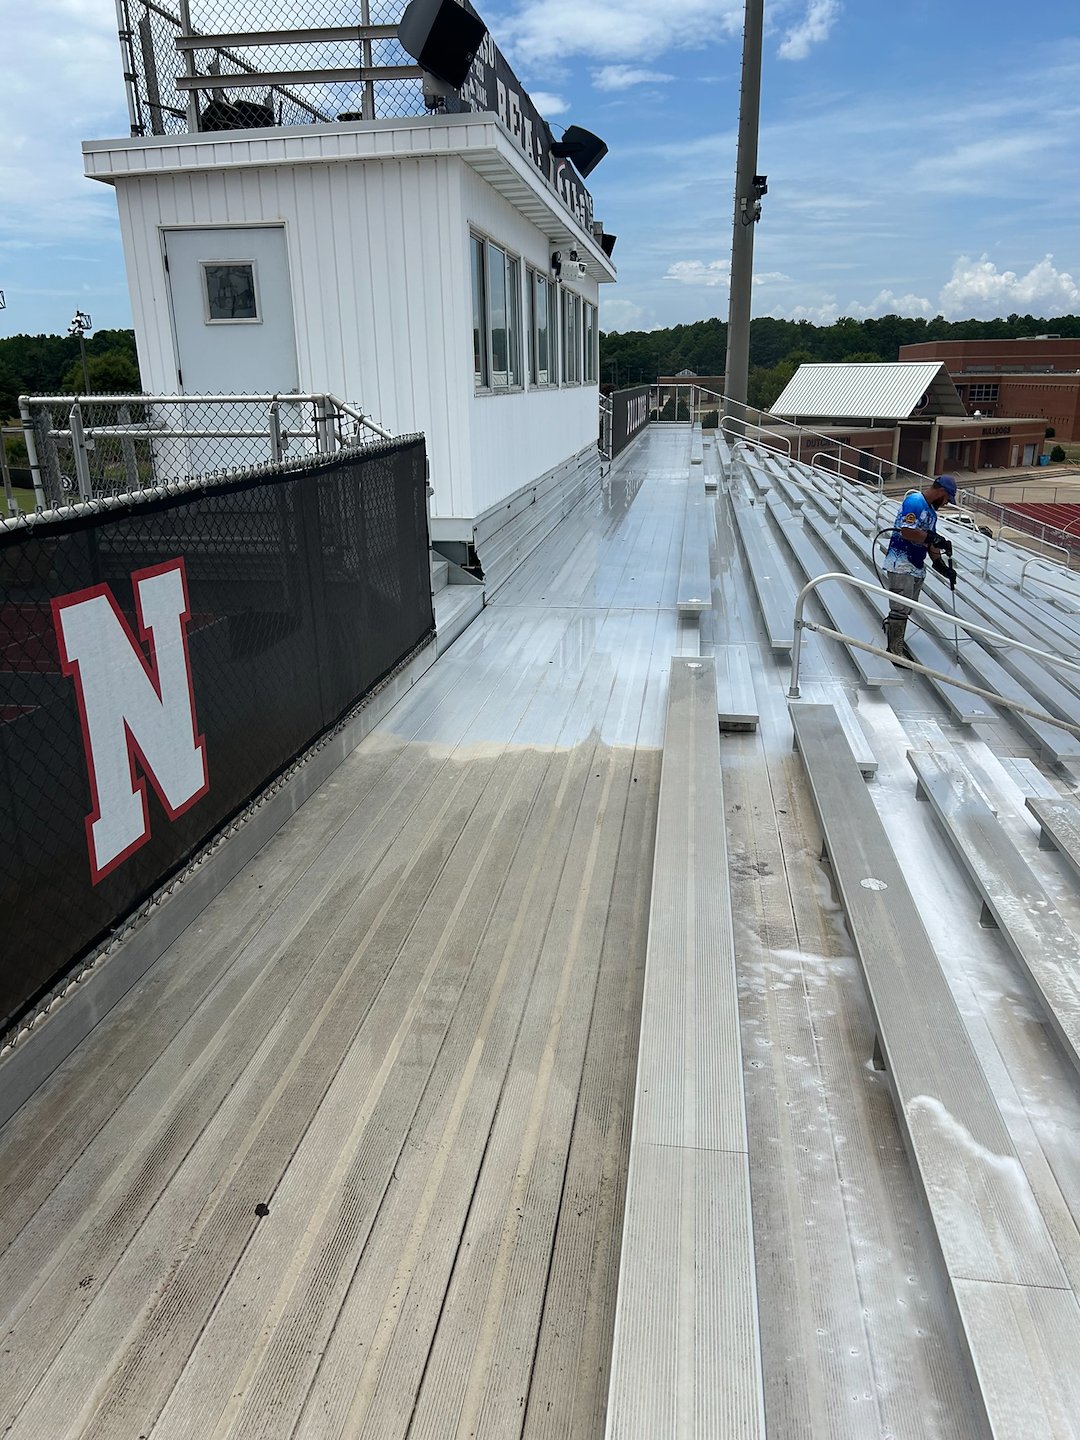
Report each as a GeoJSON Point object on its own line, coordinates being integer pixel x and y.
{"type": "Point", "coordinates": [888, 530]}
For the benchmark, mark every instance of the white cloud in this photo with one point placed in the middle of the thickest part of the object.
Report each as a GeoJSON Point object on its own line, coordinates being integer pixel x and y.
{"type": "Point", "coordinates": [886, 303]}
{"type": "Point", "coordinates": [616, 314]}
{"type": "Point", "coordinates": [44, 194]}
{"type": "Point", "coordinates": [628, 30]}
{"type": "Point", "coordinates": [548, 104]}
{"type": "Point", "coordinates": [813, 29]}
{"type": "Point", "coordinates": [704, 273]}
{"type": "Point", "coordinates": [978, 290]}
{"type": "Point", "coordinates": [621, 77]}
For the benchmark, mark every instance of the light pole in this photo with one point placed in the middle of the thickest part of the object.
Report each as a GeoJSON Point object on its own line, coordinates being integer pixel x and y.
{"type": "Point", "coordinates": [749, 189]}
{"type": "Point", "coordinates": [80, 325]}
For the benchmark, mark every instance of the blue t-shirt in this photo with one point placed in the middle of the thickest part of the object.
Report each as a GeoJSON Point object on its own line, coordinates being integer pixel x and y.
{"type": "Point", "coordinates": [915, 513]}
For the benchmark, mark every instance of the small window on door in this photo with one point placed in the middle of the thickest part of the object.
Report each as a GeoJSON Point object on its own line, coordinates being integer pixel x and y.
{"type": "Point", "coordinates": [230, 293]}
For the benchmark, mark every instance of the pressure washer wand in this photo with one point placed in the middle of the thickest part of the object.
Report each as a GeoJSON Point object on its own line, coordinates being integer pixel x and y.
{"type": "Point", "coordinates": [949, 572]}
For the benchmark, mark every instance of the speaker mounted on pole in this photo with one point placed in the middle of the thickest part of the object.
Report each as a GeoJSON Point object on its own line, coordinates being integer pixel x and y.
{"type": "Point", "coordinates": [442, 37]}
{"type": "Point", "coordinates": [582, 147]}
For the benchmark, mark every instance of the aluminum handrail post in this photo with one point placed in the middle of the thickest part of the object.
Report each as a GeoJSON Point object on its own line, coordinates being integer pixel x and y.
{"type": "Point", "coordinates": [78, 447]}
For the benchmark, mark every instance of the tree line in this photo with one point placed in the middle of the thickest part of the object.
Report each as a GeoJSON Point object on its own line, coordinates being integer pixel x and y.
{"type": "Point", "coordinates": [778, 347]}
{"type": "Point", "coordinates": [52, 365]}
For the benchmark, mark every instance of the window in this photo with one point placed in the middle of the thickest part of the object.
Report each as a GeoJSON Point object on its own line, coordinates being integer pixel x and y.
{"type": "Point", "coordinates": [591, 356]}
{"type": "Point", "coordinates": [496, 294]}
{"type": "Point", "coordinates": [543, 328]}
{"type": "Point", "coordinates": [571, 338]}
{"type": "Point", "coordinates": [984, 393]}
{"type": "Point", "coordinates": [479, 314]}
{"type": "Point", "coordinates": [229, 291]}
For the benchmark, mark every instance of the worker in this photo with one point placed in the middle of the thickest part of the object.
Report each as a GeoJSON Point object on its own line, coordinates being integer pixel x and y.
{"type": "Point", "coordinates": [914, 536]}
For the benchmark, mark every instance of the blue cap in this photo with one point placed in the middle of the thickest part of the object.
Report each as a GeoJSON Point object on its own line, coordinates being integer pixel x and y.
{"type": "Point", "coordinates": [948, 484]}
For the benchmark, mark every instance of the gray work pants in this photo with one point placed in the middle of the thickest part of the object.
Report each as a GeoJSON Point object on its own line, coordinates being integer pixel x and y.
{"type": "Point", "coordinates": [908, 586]}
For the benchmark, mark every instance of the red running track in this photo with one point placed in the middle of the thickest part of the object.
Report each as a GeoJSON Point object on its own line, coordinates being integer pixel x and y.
{"type": "Point", "coordinates": [1061, 517]}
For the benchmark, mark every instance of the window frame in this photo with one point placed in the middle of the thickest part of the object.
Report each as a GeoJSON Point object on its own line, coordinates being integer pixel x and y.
{"type": "Point", "coordinates": [208, 319]}
{"type": "Point", "coordinates": [497, 259]}
{"type": "Point", "coordinates": [570, 337]}
{"type": "Point", "coordinates": [481, 351]}
{"type": "Point", "coordinates": [542, 301]}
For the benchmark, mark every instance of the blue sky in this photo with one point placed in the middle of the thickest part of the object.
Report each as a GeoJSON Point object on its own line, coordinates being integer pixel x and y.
{"type": "Point", "coordinates": [922, 156]}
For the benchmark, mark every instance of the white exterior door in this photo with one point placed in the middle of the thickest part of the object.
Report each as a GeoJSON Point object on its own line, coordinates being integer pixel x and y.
{"type": "Point", "coordinates": [232, 314]}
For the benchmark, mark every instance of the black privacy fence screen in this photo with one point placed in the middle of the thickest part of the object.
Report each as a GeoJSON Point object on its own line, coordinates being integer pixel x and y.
{"type": "Point", "coordinates": [629, 416]}
{"type": "Point", "coordinates": [163, 660]}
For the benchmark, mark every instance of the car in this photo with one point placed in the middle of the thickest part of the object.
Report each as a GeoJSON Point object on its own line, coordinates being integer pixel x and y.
{"type": "Point", "coordinates": [967, 522]}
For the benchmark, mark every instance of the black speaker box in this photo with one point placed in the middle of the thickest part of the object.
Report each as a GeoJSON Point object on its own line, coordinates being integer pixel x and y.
{"type": "Point", "coordinates": [585, 149]}
{"type": "Point", "coordinates": [442, 38]}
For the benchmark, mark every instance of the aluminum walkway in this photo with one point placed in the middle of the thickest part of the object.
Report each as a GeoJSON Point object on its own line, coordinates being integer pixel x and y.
{"type": "Point", "coordinates": [350, 1159]}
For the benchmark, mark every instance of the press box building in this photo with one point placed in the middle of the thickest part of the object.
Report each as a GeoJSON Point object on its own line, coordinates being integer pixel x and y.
{"type": "Point", "coordinates": [440, 270]}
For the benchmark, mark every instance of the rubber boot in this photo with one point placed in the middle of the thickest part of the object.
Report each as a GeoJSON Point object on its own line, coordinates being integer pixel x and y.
{"type": "Point", "coordinates": [895, 625]}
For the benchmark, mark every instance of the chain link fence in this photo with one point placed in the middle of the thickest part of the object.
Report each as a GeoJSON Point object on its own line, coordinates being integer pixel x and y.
{"type": "Point", "coordinates": [94, 446]}
{"type": "Point", "coordinates": [156, 68]}
{"type": "Point", "coordinates": [303, 585]}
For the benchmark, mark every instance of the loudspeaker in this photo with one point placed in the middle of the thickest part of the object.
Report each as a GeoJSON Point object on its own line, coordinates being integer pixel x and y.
{"type": "Point", "coordinates": [442, 38]}
{"type": "Point", "coordinates": [238, 115]}
{"type": "Point", "coordinates": [607, 244]}
{"type": "Point", "coordinates": [584, 148]}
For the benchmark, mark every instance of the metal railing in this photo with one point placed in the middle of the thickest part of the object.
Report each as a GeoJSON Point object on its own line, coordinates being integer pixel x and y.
{"type": "Point", "coordinates": [800, 624]}
{"type": "Point", "coordinates": [770, 429]}
{"type": "Point", "coordinates": [91, 446]}
{"type": "Point", "coordinates": [605, 429]}
{"type": "Point", "coordinates": [196, 65]}
{"type": "Point", "coordinates": [1006, 517]}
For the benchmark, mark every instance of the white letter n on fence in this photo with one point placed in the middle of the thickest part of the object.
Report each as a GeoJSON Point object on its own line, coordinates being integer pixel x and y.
{"type": "Point", "coordinates": [138, 714]}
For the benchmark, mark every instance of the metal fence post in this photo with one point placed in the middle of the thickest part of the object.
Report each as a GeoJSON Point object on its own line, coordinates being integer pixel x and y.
{"type": "Point", "coordinates": [127, 449]}
{"type": "Point", "coordinates": [31, 450]}
{"type": "Point", "coordinates": [78, 447]}
{"type": "Point", "coordinates": [275, 431]}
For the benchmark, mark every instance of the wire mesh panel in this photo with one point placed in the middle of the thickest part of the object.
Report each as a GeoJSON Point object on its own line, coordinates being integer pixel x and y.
{"type": "Point", "coordinates": [164, 659]}
{"type": "Point", "coordinates": [123, 444]}
{"type": "Point", "coordinates": [154, 64]}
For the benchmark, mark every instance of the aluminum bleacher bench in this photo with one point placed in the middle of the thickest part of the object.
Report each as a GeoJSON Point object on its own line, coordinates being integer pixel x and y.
{"type": "Point", "coordinates": [686, 1356]}
{"type": "Point", "coordinates": [1013, 901]}
{"type": "Point", "coordinates": [696, 446]}
{"type": "Point", "coordinates": [1018, 1314]}
{"type": "Point", "coordinates": [768, 576]}
{"type": "Point", "coordinates": [822, 692]}
{"type": "Point", "coordinates": [736, 701]}
{"type": "Point", "coordinates": [695, 575]}
{"type": "Point", "coordinates": [1059, 825]}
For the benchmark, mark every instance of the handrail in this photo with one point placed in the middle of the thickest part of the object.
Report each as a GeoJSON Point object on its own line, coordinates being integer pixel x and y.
{"type": "Point", "coordinates": [818, 463]}
{"type": "Point", "coordinates": [760, 444]}
{"type": "Point", "coordinates": [1033, 560]}
{"type": "Point", "coordinates": [898, 471]}
{"type": "Point", "coordinates": [800, 624]}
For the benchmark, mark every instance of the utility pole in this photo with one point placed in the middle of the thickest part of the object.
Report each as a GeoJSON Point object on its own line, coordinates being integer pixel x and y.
{"type": "Point", "coordinates": [749, 188]}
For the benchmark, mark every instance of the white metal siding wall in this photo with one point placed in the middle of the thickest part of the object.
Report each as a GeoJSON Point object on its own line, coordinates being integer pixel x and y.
{"type": "Point", "coordinates": [379, 261]}
{"type": "Point", "coordinates": [516, 437]}
{"type": "Point", "coordinates": [376, 260]}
